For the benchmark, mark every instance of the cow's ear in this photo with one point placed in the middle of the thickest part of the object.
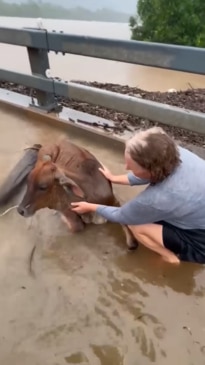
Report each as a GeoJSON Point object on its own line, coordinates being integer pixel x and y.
{"type": "Point", "coordinates": [68, 183]}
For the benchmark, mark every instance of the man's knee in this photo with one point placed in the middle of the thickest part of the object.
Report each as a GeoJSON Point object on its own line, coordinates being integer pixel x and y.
{"type": "Point", "coordinates": [139, 230]}
{"type": "Point", "coordinates": [151, 231]}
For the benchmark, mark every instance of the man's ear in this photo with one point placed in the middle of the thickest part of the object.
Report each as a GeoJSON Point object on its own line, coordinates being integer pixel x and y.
{"type": "Point", "coordinates": [68, 183]}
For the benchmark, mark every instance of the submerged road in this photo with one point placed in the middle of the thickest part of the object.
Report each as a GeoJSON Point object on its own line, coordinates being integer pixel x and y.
{"type": "Point", "coordinates": [90, 302]}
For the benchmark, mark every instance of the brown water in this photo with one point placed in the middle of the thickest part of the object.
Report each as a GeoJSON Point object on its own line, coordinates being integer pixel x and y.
{"type": "Point", "coordinates": [90, 301]}
{"type": "Point", "coordinates": [73, 67]}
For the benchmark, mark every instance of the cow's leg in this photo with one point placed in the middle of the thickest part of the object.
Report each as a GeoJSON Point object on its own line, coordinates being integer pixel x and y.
{"type": "Point", "coordinates": [86, 218]}
{"type": "Point", "coordinates": [93, 218]}
{"type": "Point", "coordinates": [131, 241]}
{"type": "Point", "coordinates": [73, 221]}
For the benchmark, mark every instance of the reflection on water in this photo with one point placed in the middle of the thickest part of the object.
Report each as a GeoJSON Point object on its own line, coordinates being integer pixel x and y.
{"type": "Point", "coordinates": [181, 279]}
{"type": "Point", "coordinates": [77, 358]}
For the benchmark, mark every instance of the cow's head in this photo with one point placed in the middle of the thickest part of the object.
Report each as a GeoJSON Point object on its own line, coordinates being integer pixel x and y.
{"type": "Point", "coordinates": [48, 187]}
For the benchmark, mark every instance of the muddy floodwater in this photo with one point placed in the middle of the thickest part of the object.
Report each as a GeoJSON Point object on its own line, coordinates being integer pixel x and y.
{"type": "Point", "coordinates": [89, 300]}
{"type": "Point", "coordinates": [75, 67]}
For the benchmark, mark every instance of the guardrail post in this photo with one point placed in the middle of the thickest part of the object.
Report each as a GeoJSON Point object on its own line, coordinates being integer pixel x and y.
{"type": "Point", "coordinates": [39, 63]}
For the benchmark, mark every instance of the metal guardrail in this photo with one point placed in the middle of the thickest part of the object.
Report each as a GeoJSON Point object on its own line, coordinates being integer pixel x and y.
{"type": "Point", "coordinates": [39, 42]}
{"type": "Point", "coordinates": [123, 103]}
{"type": "Point", "coordinates": [172, 57]}
{"type": "Point", "coordinates": [30, 37]}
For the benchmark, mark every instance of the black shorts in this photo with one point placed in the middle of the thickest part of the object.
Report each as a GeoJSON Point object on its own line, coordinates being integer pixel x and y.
{"type": "Point", "coordinates": [187, 244]}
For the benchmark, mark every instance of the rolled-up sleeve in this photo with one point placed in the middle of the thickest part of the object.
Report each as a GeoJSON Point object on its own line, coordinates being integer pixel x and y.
{"type": "Point", "coordinates": [132, 213]}
{"type": "Point", "coordinates": [134, 180]}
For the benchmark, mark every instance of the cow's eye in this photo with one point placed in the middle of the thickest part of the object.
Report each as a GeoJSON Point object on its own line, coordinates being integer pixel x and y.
{"type": "Point", "coordinates": [43, 187]}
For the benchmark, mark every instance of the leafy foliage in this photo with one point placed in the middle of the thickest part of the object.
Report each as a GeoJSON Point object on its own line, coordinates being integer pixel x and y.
{"type": "Point", "coordinates": [170, 21]}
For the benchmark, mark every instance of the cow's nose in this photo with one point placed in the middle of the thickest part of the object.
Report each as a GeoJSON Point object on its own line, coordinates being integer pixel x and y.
{"type": "Point", "coordinates": [21, 211]}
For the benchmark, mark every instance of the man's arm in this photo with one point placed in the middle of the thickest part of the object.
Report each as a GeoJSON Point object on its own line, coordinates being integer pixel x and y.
{"type": "Point", "coordinates": [134, 180]}
{"type": "Point", "coordinates": [120, 180]}
{"type": "Point", "coordinates": [132, 213]}
{"type": "Point", "coordinates": [129, 179]}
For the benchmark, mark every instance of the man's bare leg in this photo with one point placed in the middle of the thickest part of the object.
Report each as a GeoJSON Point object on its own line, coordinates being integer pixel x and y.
{"type": "Point", "coordinates": [150, 235]}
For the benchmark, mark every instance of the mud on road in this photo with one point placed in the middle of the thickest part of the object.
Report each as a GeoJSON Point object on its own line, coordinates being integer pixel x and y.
{"type": "Point", "coordinates": [193, 99]}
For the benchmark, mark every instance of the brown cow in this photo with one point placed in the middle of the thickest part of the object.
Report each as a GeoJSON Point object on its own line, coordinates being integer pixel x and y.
{"type": "Point", "coordinates": [61, 174]}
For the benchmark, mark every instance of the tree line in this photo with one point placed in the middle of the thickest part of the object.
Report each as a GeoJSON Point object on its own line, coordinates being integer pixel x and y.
{"type": "Point", "coordinates": [35, 9]}
{"type": "Point", "coordinates": [179, 22]}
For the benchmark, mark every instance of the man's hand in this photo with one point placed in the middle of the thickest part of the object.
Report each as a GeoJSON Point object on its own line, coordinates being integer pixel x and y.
{"type": "Point", "coordinates": [115, 179]}
{"type": "Point", "coordinates": [107, 173]}
{"type": "Point", "coordinates": [83, 207]}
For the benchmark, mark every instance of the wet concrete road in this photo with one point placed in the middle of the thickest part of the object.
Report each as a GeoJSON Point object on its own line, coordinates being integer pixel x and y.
{"type": "Point", "coordinates": [90, 302]}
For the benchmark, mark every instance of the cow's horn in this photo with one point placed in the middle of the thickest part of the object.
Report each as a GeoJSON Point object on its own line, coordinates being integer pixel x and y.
{"type": "Point", "coordinates": [63, 180]}
{"type": "Point", "coordinates": [46, 158]}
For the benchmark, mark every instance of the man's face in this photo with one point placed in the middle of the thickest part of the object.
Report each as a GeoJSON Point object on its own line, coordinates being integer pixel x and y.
{"type": "Point", "coordinates": [133, 166]}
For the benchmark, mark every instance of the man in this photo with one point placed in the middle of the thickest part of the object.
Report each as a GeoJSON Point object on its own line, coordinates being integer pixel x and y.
{"type": "Point", "coordinates": [168, 217]}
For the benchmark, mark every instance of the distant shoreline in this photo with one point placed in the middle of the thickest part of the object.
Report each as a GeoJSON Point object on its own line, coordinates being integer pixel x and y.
{"type": "Point", "coordinates": [49, 11]}
{"type": "Point", "coordinates": [53, 19]}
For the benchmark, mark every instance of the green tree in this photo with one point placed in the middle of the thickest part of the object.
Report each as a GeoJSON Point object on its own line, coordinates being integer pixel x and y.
{"type": "Point", "coordinates": [170, 21]}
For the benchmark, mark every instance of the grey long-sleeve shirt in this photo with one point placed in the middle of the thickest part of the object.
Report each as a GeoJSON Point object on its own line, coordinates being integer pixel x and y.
{"type": "Point", "coordinates": [178, 200]}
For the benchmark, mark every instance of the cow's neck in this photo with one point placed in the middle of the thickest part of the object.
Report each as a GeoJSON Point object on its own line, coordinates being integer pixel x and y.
{"type": "Point", "coordinates": [61, 199]}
